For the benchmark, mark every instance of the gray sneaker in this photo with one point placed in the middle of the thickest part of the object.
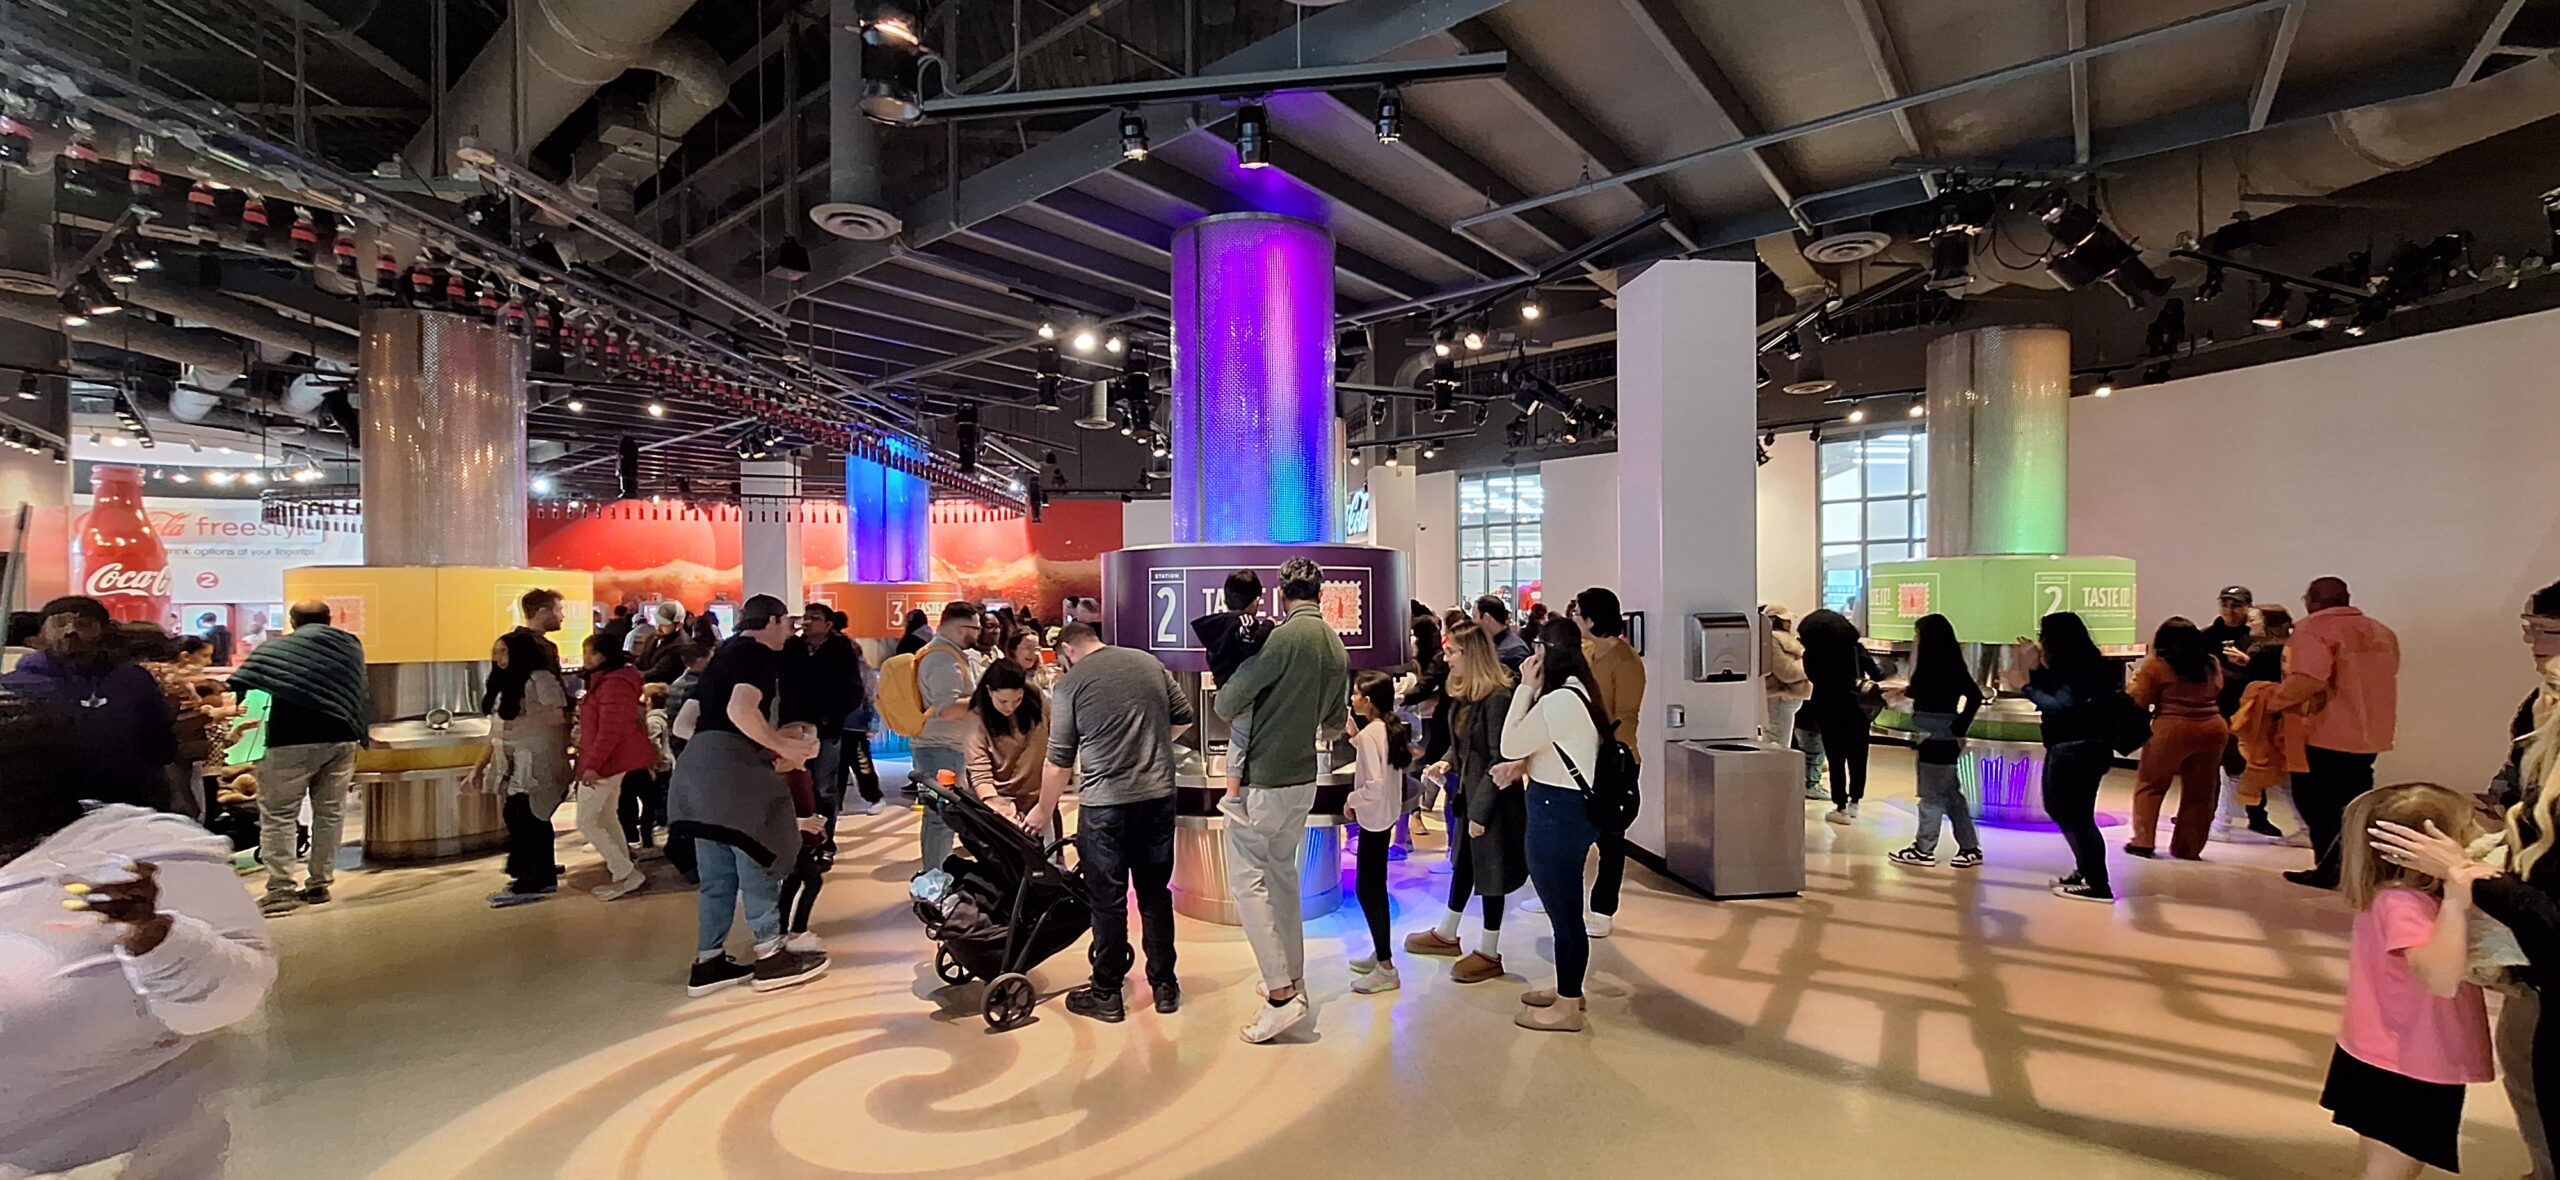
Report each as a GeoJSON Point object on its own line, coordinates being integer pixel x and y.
{"type": "Point", "coordinates": [279, 902]}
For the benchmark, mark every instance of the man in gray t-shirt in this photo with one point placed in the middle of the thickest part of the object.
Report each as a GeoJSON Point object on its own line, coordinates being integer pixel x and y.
{"type": "Point", "coordinates": [944, 683]}
{"type": "Point", "coordinates": [1115, 714]}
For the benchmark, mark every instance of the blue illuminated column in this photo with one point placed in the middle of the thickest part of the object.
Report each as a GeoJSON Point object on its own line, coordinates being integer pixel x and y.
{"type": "Point", "coordinates": [886, 515]}
{"type": "Point", "coordinates": [1253, 437]}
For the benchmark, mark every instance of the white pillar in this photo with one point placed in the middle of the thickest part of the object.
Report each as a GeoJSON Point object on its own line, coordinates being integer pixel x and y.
{"type": "Point", "coordinates": [769, 528]}
{"type": "Point", "coordinates": [1392, 521]}
{"type": "Point", "coordinates": [1687, 512]}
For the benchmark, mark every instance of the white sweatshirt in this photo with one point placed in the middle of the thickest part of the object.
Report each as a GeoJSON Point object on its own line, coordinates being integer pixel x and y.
{"type": "Point", "coordinates": [101, 1051]}
{"type": "Point", "coordinates": [1377, 788]}
{"type": "Point", "coordinates": [1539, 723]}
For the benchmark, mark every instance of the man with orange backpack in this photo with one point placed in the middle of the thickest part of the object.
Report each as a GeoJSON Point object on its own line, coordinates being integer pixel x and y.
{"type": "Point", "coordinates": [924, 695]}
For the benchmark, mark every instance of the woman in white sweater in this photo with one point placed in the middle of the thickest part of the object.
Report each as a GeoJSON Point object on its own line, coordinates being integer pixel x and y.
{"type": "Point", "coordinates": [1552, 739]}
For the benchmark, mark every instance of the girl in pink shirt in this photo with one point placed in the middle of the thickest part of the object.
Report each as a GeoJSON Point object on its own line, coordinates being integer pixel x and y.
{"type": "Point", "coordinates": [2414, 1032]}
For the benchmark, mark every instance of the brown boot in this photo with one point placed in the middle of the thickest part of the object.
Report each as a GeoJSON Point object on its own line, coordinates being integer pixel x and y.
{"type": "Point", "coordinates": [1562, 1016]}
{"type": "Point", "coordinates": [1477, 967]}
{"type": "Point", "coordinates": [1427, 941]}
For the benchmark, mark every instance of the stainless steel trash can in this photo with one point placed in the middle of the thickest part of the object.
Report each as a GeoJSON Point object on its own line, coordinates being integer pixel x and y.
{"type": "Point", "coordinates": [1733, 817]}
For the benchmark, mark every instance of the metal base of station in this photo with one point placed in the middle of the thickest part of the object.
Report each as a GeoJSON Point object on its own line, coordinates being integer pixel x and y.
{"type": "Point", "coordinates": [1200, 869]}
{"type": "Point", "coordinates": [2005, 783]}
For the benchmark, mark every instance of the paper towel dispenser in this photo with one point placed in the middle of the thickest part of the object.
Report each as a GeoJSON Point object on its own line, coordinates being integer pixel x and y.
{"type": "Point", "coordinates": [1723, 647]}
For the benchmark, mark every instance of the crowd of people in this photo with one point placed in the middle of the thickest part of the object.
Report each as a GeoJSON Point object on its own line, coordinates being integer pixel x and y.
{"type": "Point", "coordinates": [743, 753]}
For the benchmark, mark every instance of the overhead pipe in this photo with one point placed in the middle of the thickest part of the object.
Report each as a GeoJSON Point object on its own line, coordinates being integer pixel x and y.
{"type": "Point", "coordinates": [544, 61]}
{"type": "Point", "coordinates": [216, 363]}
{"type": "Point", "coordinates": [631, 144]}
{"type": "Point", "coordinates": [240, 319]}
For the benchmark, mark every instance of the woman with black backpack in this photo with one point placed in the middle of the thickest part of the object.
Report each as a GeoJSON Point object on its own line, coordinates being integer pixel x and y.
{"type": "Point", "coordinates": [2077, 689]}
{"type": "Point", "coordinates": [1552, 739]}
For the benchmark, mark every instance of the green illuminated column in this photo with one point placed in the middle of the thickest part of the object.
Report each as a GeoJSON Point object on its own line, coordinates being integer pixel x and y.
{"type": "Point", "coordinates": [1999, 442]}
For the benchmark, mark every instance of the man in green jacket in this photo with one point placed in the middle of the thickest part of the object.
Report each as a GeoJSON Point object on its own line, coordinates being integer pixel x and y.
{"type": "Point", "coordinates": [321, 713]}
{"type": "Point", "coordinates": [1296, 690]}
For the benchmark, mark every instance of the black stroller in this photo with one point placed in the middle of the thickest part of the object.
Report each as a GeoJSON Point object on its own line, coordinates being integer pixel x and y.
{"type": "Point", "coordinates": [1010, 907]}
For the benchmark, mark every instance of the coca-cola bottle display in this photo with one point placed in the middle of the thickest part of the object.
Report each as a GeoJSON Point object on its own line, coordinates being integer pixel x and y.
{"type": "Point", "coordinates": [116, 555]}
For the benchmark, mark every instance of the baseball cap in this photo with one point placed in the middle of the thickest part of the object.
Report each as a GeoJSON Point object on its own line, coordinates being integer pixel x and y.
{"type": "Point", "coordinates": [670, 613]}
{"type": "Point", "coordinates": [760, 612]}
{"type": "Point", "coordinates": [2238, 594]}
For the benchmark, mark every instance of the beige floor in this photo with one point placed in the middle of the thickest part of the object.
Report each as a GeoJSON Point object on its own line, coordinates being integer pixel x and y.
{"type": "Point", "coordinates": [1890, 1023]}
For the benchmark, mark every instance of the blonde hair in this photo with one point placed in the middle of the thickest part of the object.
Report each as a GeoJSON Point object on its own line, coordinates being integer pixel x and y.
{"type": "Point", "coordinates": [1482, 674]}
{"type": "Point", "coordinates": [2538, 780]}
{"type": "Point", "coordinates": [2362, 873]}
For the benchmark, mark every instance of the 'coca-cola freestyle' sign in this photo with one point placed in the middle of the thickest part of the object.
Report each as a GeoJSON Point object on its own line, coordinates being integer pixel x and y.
{"type": "Point", "coordinates": [113, 580]}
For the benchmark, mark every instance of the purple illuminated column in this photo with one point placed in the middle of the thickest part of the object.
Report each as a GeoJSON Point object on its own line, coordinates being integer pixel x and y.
{"type": "Point", "coordinates": [886, 517]}
{"type": "Point", "coordinates": [1253, 436]}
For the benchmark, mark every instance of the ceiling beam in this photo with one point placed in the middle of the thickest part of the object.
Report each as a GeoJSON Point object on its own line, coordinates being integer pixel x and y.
{"type": "Point", "coordinates": [1207, 197]}
{"type": "Point", "coordinates": [2279, 50]}
{"type": "Point", "coordinates": [1386, 213]}
{"type": "Point", "coordinates": [1344, 34]}
{"type": "Point", "coordinates": [2075, 20]}
{"type": "Point", "coordinates": [1661, 23]}
{"type": "Point", "coordinates": [1027, 281]}
{"type": "Point", "coordinates": [1543, 104]}
{"type": "Point", "coordinates": [1884, 56]}
{"type": "Point", "coordinates": [352, 40]}
{"type": "Point", "coordinates": [935, 289]}
{"type": "Point", "coordinates": [2493, 31]}
{"type": "Point", "coordinates": [1054, 251]}
{"type": "Point", "coordinates": [1427, 145]}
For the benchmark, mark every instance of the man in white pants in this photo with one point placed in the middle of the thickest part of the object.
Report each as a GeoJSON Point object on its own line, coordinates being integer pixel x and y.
{"type": "Point", "coordinates": [1294, 690]}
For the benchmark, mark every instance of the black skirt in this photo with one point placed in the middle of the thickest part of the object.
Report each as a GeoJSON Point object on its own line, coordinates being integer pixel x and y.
{"type": "Point", "coordinates": [2421, 1120]}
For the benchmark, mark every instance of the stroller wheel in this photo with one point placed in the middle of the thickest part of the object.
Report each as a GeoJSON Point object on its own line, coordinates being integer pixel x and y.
{"type": "Point", "coordinates": [947, 968]}
{"type": "Point", "coordinates": [1009, 1001]}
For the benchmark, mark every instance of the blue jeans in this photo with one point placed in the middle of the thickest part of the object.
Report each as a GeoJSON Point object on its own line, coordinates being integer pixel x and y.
{"type": "Point", "coordinates": [1942, 795]}
{"type": "Point", "coordinates": [731, 877]}
{"type": "Point", "coordinates": [1560, 836]}
{"type": "Point", "coordinates": [928, 761]}
{"type": "Point", "coordinates": [826, 773]}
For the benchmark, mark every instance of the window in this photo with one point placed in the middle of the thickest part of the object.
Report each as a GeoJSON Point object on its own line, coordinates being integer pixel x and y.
{"type": "Point", "coordinates": [1499, 515]}
{"type": "Point", "coordinates": [1875, 507]}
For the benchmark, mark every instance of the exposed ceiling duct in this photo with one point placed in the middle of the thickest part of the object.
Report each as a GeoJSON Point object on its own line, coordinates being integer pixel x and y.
{"type": "Point", "coordinates": [217, 362]}
{"type": "Point", "coordinates": [546, 60]}
{"type": "Point", "coordinates": [632, 143]}
{"type": "Point", "coordinates": [215, 310]}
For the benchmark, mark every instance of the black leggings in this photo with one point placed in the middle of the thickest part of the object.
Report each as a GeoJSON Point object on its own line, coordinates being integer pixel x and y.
{"type": "Point", "coordinates": [797, 894]}
{"type": "Point", "coordinates": [1371, 885]}
{"type": "Point", "coordinates": [1844, 741]}
{"type": "Point", "coordinates": [2072, 772]}
{"type": "Point", "coordinates": [857, 754]}
{"type": "Point", "coordinates": [1462, 881]}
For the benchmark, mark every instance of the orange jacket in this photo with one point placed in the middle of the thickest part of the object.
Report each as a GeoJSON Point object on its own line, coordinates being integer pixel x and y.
{"type": "Point", "coordinates": [2272, 741]}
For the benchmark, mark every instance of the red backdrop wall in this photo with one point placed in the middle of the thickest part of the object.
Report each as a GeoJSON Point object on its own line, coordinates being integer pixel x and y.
{"type": "Point", "coordinates": [643, 552]}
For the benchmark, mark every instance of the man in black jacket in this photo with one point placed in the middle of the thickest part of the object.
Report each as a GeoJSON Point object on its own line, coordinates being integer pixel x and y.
{"type": "Point", "coordinates": [322, 707]}
{"type": "Point", "coordinates": [821, 683]}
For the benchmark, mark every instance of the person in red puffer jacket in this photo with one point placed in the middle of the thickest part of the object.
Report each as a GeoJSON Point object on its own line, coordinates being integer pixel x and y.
{"type": "Point", "coordinates": [612, 742]}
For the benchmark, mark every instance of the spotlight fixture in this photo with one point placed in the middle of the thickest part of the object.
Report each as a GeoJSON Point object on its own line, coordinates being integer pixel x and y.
{"type": "Point", "coordinates": [1355, 456]}
{"type": "Point", "coordinates": [118, 268]}
{"type": "Point", "coordinates": [1530, 309]}
{"type": "Point", "coordinates": [1048, 331]}
{"type": "Point", "coordinates": [576, 406]}
{"type": "Point", "coordinates": [2104, 389]}
{"type": "Point", "coordinates": [1048, 380]}
{"type": "Point", "coordinates": [2088, 252]}
{"type": "Point", "coordinates": [1085, 340]}
{"type": "Point", "coordinates": [657, 409]}
{"type": "Point", "coordinates": [1963, 214]}
{"type": "Point", "coordinates": [1133, 136]}
{"type": "Point", "coordinates": [74, 313]}
{"type": "Point", "coordinates": [1390, 122]}
{"type": "Point", "coordinates": [1810, 380]}
{"type": "Point", "coordinates": [1253, 136]}
{"type": "Point", "coordinates": [1474, 340]}
{"type": "Point", "coordinates": [1790, 348]}
{"type": "Point", "coordinates": [180, 477]}
{"type": "Point", "coordinates": [253, 479]}
{"type": "Point", "coordinates": [2317, 308]}
{"type": "Point", "coordinates": [1114, 345]}
{"type": "Point", "coordinates": [2368, 314]}
{"type": "Point", "coordinates": [789, 260]}
{"type": "Point", "coordinates": [893, 60]}
{"type": "Point", "coordinates": [1919, 409]}
{"type": "Point", "coordinates": [29, 387]}
{"type": "Point", "coordinates": [1857, 414]}
{"type": "Point", "coordinates": [1393, 458]}
{"type": "Point", "coordinates": [1440, 345]}
{"type": "Point", "coordinates": [95, 299]}
{"type": "Point", "coordinates": [1430, 450]}
{"type": "Point", "coordinates": [2276, 310]}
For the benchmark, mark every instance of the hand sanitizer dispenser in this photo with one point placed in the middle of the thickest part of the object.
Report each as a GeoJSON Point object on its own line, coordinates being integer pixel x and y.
{"type": "Point", "coordinates": [1722, 648]}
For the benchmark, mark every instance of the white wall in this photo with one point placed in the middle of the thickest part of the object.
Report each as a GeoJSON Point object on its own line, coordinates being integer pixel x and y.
{"type": "Point", "coordinates": [1790, 568]}
{"type": "Point", "coordinates": [1579, 533]}
{"type": "Point", "coordinates": [1146, 522]}
{"type": "Point", "coordinates": [1435, 544]}
{"type": "Point", "coordinates": [2426, 472]}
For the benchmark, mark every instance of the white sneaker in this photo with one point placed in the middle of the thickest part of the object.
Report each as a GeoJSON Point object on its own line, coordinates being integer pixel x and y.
{"type": "Point", "coordinates": [1853, 809]}
{"type": "Point", "coordinates": [1533, 905]}
{"type": "Point", "coordinates": [622, 888]}
{"type": "Point", "coordinates": [1841, 815]}
{"type": "Point", "coordinates": [1598, 925]}
{"type": "Point", "coordinates": [871, 807]}
{"type": "Point", "coordinates": [1364, 965]}
{"type": "Point", "coordinates": [1273, 1020]}
{"type": "Point", "coordinates": [1384, 979]}
{"type": "Point", "coordinates": [806, 943]}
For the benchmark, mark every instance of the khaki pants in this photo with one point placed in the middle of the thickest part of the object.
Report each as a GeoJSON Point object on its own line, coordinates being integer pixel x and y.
{"type": "Point", "coordinates": [1266, 836]}
{"type": "Point", "coordinates": [600, 821]}
{"type": "Point", "coordinates": [322, 771]}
